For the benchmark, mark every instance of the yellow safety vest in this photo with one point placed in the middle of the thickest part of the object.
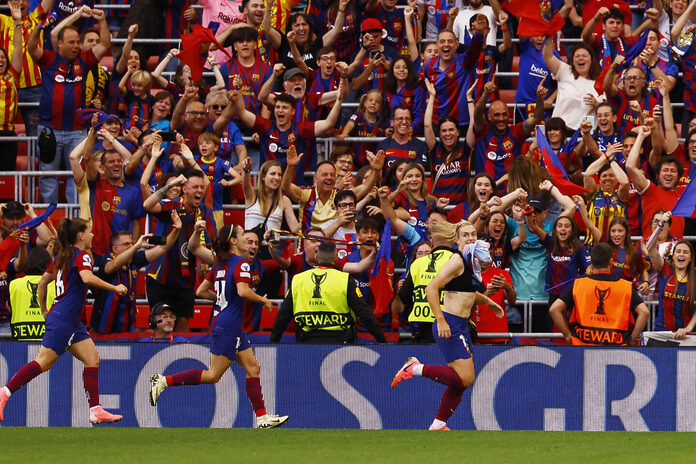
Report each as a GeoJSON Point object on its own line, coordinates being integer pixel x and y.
{"type": "Point", "coordinates": [422, 271]}
{"type": "Point", "coordinates": [27, 322]}
{"type": "Point", "coordinates": [320, 300]}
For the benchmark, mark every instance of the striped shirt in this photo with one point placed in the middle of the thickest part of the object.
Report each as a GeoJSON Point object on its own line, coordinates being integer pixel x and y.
{"type": "Point", "coordinates": [8, 99]}
{"type": "Point", "coordinates": [31, 74]}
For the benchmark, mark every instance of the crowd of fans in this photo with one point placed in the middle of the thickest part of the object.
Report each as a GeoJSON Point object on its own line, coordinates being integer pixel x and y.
{"type": "Point", "coordinates": [432, 136]}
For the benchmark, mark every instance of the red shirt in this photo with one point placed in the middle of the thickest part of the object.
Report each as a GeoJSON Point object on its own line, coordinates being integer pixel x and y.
{"type": "Point", "coordinates": [654, 198]}
{"type": "Point", "coordinates": [484, 318]}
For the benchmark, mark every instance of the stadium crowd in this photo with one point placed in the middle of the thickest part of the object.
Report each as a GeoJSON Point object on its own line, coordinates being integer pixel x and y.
{"type": "Point", "coordinates": [350, 121]}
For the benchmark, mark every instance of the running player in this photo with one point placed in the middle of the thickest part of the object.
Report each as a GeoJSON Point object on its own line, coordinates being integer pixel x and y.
{"type": "Point", "coordinates": [72, 271]}
{"type": "Point", "coordinates": [451, 327]}
{"type": "Point", "coordinates": [230, 277]}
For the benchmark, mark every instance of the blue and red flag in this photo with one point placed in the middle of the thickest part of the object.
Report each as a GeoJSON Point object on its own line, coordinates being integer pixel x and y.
{"type": "Point", "coordinates": [382, 274]}
{"type": "Point", "coordinates": [537, 17]}
{"type": "Point", "coordinates": [686, 204]}
{"type": "Point", "coordinates": [555, 167]}
{"type": "Point", "coordinates": [631, 55]}
{"type": "Point", "coordinates": [11, 244]}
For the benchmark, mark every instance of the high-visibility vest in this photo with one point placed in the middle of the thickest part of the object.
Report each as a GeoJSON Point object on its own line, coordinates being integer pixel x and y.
{"type": "Point", "coordinates": [602, 312]}
{"type": "Point", "coordinates": [320, 300]}
{"type": "Point", "coordinates": [423, 270]}
{"type": "Point", "coordinates": [27, 322]}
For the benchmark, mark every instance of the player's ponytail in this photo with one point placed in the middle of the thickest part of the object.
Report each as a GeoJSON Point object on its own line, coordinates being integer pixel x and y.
{"type": "Point", "coordinates": [67, 236]}
{"type": "Point", "coordinates": [221, 245]}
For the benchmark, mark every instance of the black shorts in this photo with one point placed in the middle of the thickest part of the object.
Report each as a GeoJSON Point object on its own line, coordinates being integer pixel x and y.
{"type": "Point", "coordinates": [180, 299]}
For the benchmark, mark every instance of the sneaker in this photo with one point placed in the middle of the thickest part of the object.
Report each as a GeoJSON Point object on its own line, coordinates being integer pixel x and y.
{"type": "Point", "coordinates": [406, 371]}
{"type": "Point", "coordinates": [97, 415]}
{"type": "Point", "coordinates": [3, 402]}
{"type": "Point", "coordinates": [269, 421]}
{"type": "Point", "coordinates": [444, 427]}
{"type": "Point", "coordinates": [159, 383]}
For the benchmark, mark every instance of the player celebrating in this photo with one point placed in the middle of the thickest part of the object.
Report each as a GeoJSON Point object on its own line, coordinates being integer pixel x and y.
{"type": "Point", "coordinates": [72, 271]}
{"type": "Point", "coordinates": [231, 277]}
{"type": "Point", "coordinates": [451, 327]}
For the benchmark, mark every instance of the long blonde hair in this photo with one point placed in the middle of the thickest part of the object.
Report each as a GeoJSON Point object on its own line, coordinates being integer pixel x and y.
{"type": "Point", "coordinates": [445, 230]}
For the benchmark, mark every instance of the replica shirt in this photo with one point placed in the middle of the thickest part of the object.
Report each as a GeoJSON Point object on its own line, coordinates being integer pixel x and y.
{"type": "Point", "coordinates": [673, 310]}
{"type": "Point", "coordinates": [252, 78]}
{"type": "Point", "coordinates": [413, 150]}
{"type": "Point", "coordinates": [62, 89]}
{"type": "Point", "coordinates": [31, 73]}
{"type": "Point", "coordinates": [494, 152]}
{"type": "Point", "coordinates": [451, 180]}
{"type": "Point", "coordinates": [227, 310]}
{"type": "Point", "coordinates": [70, 289]}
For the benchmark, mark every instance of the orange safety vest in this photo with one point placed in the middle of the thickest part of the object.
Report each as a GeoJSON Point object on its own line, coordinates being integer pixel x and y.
{"type": "Point", "coordinates": [602, 312]}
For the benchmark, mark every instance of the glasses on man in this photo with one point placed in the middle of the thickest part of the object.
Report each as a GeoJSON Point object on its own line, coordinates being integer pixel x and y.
{"type": "Point", "coordinates": [327, 58]}
{"type": "Point", "coordinates": [346, 205]}
{"type": "Point", "coordinates": [633, 78]}
{"type": "Point", "coordinates": [402, 118]}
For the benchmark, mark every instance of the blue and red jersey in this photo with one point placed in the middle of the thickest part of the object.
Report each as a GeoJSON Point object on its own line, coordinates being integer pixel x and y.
{"type": "Point", "coordinates": [227, 310]}
{"type": "Point", "coordinates": [70, 289]}
{"type": "Point", "coordinates": [174, 23]}
{"type": "Point", "coordinates": [252, 78]}
{"type": "Point", "coordinates": [415, 99]}
{"type": "Point", "coordinates": [215, 170]}
{"type": "Point", "coordinates": [414, 150]}
{"type": "Point", "coordinates": [673, 309]}
{"type": "Point", "coordinates": [376, 79]}
{"type": "Point", "coordinates": [177, 267]}
{"type": "Point", "coordinates": [60, 11]}
{"type": "Point", "coordinates": [494, 152]}
{"type": "Point", "coordinates": [689, 67]}
{"type": "Point", "coordinates": [626, 118]}
{"type": "Point", "coordinates": [452, 83]}
{"type": "Point", "coordinates": [63, 89]}
{"type": "Point", "coordinates": [113, 312]}
{"type": "Point", "coordinates": [394, 23]}
{"type": "Point", "coordinates": [320, 85]}
{"type": "Point", "coordinates": [324, 18]}
{"type": "Point", "coordinates": [418, 212]}
{"type": "Point", "coordinates": [563, 268]}
{"type": "Point", "coordinates": [231, 137]}
{"type": "Point", "coordinates": [274, 143]}
{"type": "Point", "coordinates": [364, 128]}
{"type": "Point", "coordinates": [114, 209]}
{"type": "Point", "coordinates": [453, 178]}
{"type": "Point", "coordinates": [138, 110]}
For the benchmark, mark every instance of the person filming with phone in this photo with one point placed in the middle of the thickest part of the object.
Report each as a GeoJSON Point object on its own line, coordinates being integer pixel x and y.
{"type": "Point", "coordinates": [116, 313]}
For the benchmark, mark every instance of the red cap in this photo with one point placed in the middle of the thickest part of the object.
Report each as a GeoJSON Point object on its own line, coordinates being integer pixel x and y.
{"type": "Point", "coordinates": [371, 24]}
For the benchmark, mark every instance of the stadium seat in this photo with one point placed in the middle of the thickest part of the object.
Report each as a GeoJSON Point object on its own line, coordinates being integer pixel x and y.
{"type": "Point", "coordinates": [7, 187]}
{"type": "Point", "coordinates": [268, 318]}
{"type": "Point", "coordinates": [234, 216]}
{"type": "Point", "coordinates": [507, 96]}
{"type": "Point", "coordinates": [201, 317]}
{"type": "Point", "coordinates": [142, 317]}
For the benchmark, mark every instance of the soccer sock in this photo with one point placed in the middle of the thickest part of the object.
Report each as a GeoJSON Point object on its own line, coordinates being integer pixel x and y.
{"type": "Point", "coordinates": [24, 376]}
{"type": "Point", "coordinates": [418, 370]}
{"type": "Point", "coordinates": [449, 402]}
{"type": "Point", "coordinates": [189, 377]}
{"type": "Point", "coordinates": [253, 391]}
{"type": "Point", "coordinates": [90, 379]}
{"type": "Point", "coordinates": [444, 375]}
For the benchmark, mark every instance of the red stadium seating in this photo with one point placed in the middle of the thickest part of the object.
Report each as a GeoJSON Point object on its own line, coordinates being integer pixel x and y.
{"type": "Point", "coordinates": [7, 187]}
{"type": "Point", "coordinates": [201, 317]}
{"type": "Point", "coordinates": [268, 318]}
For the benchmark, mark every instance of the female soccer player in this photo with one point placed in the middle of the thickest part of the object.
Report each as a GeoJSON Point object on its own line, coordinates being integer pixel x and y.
{"type": "Point", "coordinates": [451, 327]}
{"type": "Point", "coordinates": [230, 277]}
{"type": "Point", "coordinates": [72, 271]}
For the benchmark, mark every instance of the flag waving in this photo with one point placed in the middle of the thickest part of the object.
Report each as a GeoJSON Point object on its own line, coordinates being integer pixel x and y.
{"type": "Point", "coordinates": [631, 55]}
{"type": "Point", "coordinates": [382, 274]}
{"type": "Point", "coordinates": [537, 17]}
{"type": "Point", "coordinates": [686, 204]}
{"type": "Point", "coordinates": [555, 167]}
{"type": "Point", "coordinates": [11, 244]}
{"type": "Point", "coordinates": [194, 49]}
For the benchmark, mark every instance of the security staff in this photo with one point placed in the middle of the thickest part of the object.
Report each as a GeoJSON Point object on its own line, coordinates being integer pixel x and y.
{"type": "Point", "coordinates": [324, 302]}
{"type": "Point", "coordinates": [604, 307]}
{"type": "Point", "coordinates": [27, 321]}
{"type": "Point", "coordinates": [412, 292]}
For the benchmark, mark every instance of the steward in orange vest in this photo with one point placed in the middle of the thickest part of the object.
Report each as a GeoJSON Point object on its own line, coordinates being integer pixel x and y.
{"type": "Point", "coordinates": [605, 310]}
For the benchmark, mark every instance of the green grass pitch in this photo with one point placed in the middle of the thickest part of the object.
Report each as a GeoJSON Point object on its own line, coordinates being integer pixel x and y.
{"type": "Point", "coordinates": [133, 445]}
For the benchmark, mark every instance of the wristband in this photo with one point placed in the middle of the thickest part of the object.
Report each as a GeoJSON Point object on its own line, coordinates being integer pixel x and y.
{"type": "Point", "coordinates": [470, 101]}
{"type": "Point", "coordinates": [248, 171]}
{"type": "Point", "coordinates": [504, 29]}
{"type": "Point", "coordinates": [341, 11]}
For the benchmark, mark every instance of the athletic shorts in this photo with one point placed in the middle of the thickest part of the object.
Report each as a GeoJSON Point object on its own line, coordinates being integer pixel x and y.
{"type": "Point", "coordinates": [180, 299]}
{"type": "Point", "coordinates": [228, 345]}
{"type": "Point", "coordinates": [458, 346]}
{"type": "Point", "coordinates": [60, 335]}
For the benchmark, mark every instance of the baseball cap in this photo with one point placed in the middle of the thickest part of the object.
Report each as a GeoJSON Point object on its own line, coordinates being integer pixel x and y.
{"type": "Point", "coordinates": [537, 203]}
{"type": "Point", "coordinates": [292, 72]}
{"type": "Point", "coordinates": [13, 209]}
{"type": "Point", "coordinates": [371, 24]}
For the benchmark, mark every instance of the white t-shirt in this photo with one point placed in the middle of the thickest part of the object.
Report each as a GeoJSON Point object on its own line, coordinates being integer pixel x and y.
{"type": "Point", "coordinates": [342, 234]}
{"type": "Point", "coordinates": [570, 103]}
{"type": "Point", "coordinates": [461, 23]}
